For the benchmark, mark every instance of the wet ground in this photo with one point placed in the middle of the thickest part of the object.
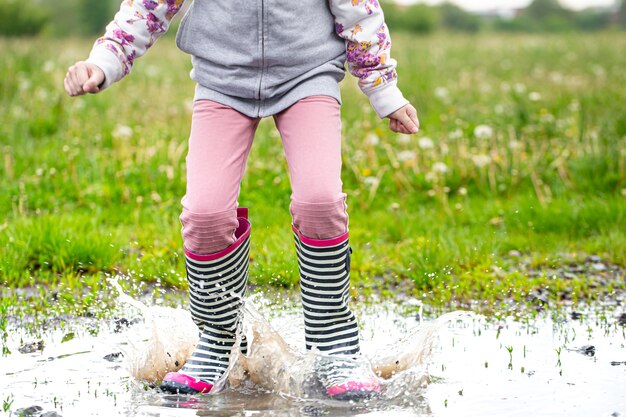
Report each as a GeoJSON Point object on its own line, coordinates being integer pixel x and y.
{"type": "Point", "coordinates": [568, 364]}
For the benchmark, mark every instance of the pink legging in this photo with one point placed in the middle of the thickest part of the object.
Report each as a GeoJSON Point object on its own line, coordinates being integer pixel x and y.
{"type": "Point", "coordinates": [219, 145]}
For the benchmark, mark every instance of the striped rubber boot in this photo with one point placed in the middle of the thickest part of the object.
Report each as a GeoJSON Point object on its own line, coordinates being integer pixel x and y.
{"type": "Point", "coordinates": [329, 326]}
{"type": "Point", "coordinates": [217, 285]}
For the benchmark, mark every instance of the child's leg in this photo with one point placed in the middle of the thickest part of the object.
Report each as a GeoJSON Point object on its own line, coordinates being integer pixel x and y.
{"type": "Point", "coordinates": [216, 240]}
{"type": "Point", "coordinates": [311, 133]}
{"type": "Point", "coordinates": [219, 145]}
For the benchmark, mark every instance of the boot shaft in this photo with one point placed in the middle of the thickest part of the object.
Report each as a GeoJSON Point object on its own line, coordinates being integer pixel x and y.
{"type": "Point", "coordinates": [330, 326]}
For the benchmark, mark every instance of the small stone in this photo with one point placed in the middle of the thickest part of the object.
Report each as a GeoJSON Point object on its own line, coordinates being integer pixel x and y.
{"type": "Point", "coordinates": [32, 411]}
{"type": "Point", "coordinates": [575, 315]}
{"type": "Point", "coordinates": [599, 267]}
{"type": "Point", "coordinates": [593, 259]}
{"type": "Point", "coordinates": [113, 357]}
{"type": "Point", "coordinates": [540, 295]}
{"type": "Point", "coordinates": [515, 253]}
{"type": "Point", "coordinates": [622, 319]}
{"type": "Point", "coordinates": [120, 324]}
{"type": "Point", "coordinates": [51, 414]}
{"type": "Point", "coordinates": [576, 269]}
{"type": "Point", "coordinates": [588, 350]}
{"type": "Point", "coordinates": [569, 275]}
{"type": "Point", "coordinates": [31, 347]}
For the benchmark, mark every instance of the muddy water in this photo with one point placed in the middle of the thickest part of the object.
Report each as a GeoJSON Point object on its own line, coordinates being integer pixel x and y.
{"type": "Point", "coordinates": [455, 364]}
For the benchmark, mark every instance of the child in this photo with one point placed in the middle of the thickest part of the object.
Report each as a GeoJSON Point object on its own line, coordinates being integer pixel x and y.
{"type": "Point", "coordinates": [252, 59]}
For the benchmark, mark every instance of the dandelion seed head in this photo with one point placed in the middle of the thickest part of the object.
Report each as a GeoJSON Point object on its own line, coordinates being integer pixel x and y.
{"type": "Point", "coordinates": [48, 66]}
{"type": "Point", "coordinates": [515, 144]}
{"type": "Point", "coordinates": [404, 139]}
{"type": "Point", "coordinates": [442, 93]}
{"type": "Point", "coordinates": [24, 84]}
{"type": "Point", "coordinates": [534, 96]}
{"type": "Point", "coordinates": [372, 139]}
{"type": "Point", "coordinates": [440, 167]}
{"type": "Point", "coordinates": [462, 191]}
{"type": "Point", "coordinates": [406, 156]}
{"type": "Point", "coordinates": [371, 181]}
{"type": "Point", "coordinates": [481, 160]}
{"type": "Point", "coordinates": [483, 132]}
{"type": "Point", "coordinates": [556, 77]}
{"type": "Point", "coordinates": [358, 155]}
{"type": "Point", "coordinates": [455, 134]}
{"type": "Point", "coordinates": [547, 118]}
{"type": "Point", "coordinates": [426, 143]}
{"type": "Point", "coordinates": [122, 132]}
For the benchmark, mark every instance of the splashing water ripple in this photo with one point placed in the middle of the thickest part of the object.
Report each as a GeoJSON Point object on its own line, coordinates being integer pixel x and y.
{"type": "Point", "coordinates": [457, 364]}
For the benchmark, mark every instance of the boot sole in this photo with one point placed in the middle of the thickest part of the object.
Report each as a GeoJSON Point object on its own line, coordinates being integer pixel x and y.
{"type": "Point", "coordinates": [172, 387]}
{"type": "Point", "coordinates": [355, 395]}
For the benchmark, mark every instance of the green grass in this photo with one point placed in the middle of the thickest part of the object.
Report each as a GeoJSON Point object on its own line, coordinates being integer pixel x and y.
{"type": "Point", "coordinates": [91, 186]}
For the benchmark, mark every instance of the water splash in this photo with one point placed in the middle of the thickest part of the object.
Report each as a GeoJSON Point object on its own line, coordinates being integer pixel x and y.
{"type": "Point", "coordinates": [172, 337]}
{"type": "Point", "coordinates": [458, 364]}
{"type": "Point", "coordinates": [271, 363]}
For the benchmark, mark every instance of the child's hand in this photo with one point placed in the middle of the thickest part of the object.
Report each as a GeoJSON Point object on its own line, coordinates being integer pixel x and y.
{"type": "Point", "coordinates": [82, 78]}
{"type": "Point", "coordinates": [404, 120]}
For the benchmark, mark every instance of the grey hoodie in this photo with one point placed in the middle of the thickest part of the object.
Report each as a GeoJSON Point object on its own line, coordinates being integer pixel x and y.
{"type": "Point", "coordinates": [261, 56]}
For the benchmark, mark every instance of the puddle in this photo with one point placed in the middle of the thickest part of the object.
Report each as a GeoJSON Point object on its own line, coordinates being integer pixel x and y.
{"type": "Point", "coordinates": [457, 364]}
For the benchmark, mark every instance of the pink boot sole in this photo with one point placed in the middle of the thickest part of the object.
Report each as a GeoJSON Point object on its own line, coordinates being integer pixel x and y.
{"type": "Point", "coordinates": [354, 391]}
{"type": "Point", "coordinates": [177, 383]}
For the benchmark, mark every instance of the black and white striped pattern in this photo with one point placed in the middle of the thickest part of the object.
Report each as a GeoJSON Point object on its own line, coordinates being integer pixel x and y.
{"type": "Point", "coordinates": [330, 327]}
{"type": "Point", "coordinates": [216, 291]}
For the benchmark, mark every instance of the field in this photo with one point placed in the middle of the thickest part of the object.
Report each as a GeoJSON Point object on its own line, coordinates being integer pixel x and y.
{"type": "Point", "coordinates": [513, 191]}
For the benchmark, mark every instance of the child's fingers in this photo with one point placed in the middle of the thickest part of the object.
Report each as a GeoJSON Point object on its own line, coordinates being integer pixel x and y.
{"type": "Point", "coordinates": [403, 129]}
{"type": "Point", "coordinates": [405, 119]}
{"type": "Point", "coordinates": [413, 116]}
{"type": "Point", "coordinates": [91, 85]}
{"type": "Point", "coordinates": [393, 125]}
{"type": "Point", "coordinates": [76, 73]}
{"type": "Point", "coordinates": [76, 86]}
{"type": "Point", "coordinates": [68, 89]}
{"type": "Point", "coordinates": [69, 85]}
{"type": "Point", "coordinates": [81, 75]}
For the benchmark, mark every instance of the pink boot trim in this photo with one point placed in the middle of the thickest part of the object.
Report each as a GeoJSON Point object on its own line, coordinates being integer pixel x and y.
{"type": "Point", "coordinates": [241, 234]}
{"type": "Point", "coordinates": [191, 382]}
{"type": "Point", "coordinates": [363, 386]}
{"type": "Point", "coordinates": [320, 242]}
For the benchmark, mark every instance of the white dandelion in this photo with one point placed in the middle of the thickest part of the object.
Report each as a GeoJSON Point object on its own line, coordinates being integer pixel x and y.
{"type": "Point", "coordinates": [406, 156]}
{"type": "Point", "coordinates": [122, 132]}
{"type": "Point", "coordinates": [426, 143]}
{"type": "Point", "coordinates": [440, 168]}
{"type": "Point", "coordinates": [483, 132]}
{"type": "Point", "coordinates": [372, 139]}
{"type": "Point", "coordinates": [481, 160]}
{"type": "Point", "coordinates": [371, 181]}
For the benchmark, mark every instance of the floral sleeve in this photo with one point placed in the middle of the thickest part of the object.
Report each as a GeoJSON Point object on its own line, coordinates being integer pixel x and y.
{"type": "Point", "coordinates": [362, 24]}
{"type": "Point", "coordinates": [135, 28]}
